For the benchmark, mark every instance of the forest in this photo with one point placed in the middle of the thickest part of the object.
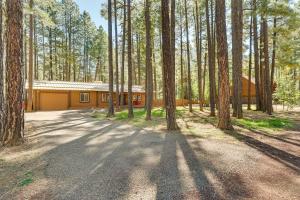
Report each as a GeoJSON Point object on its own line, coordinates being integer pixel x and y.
{"type": "Point", "coordinates": [184, 49]}
{"type": "Point", "coordinates": [150, 99]}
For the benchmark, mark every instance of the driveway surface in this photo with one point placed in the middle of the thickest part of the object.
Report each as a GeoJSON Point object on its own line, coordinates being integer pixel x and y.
{"type": "Point", "coordinates": [77, 157]}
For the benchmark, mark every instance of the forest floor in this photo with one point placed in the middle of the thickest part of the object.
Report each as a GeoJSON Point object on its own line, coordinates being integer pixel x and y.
{"type": "Point", "coordinates": [82, 155]}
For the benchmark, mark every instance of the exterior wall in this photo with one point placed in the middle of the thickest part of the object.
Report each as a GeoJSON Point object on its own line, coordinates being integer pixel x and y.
{"type": "Point", "coordinates": [73, 98]}
{"type": "Point", "coordinates": [245, 88]}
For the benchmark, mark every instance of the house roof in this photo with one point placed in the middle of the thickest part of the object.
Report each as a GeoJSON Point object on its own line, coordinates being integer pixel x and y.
{"type": "Point", "coordinates": [79, 86]}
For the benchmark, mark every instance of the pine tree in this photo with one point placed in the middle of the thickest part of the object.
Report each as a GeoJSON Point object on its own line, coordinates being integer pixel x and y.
{"type": "Point", "coordinates": [149, 92]}
{"type": "Point", "coordinates": [14, 126]}
{"type": "Point", "coordinates": [224, 91]}
{"type": "Point", "coordinates": [169, 71]}
{"type": "Point", "coordinates": [110, 60]}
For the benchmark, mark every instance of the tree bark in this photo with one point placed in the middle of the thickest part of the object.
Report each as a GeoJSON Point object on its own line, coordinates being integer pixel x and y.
{"type": "Point", "coordinates": [267, 68]}
{"type": "Point", "coordinates": [256, 57]}
{"type": "Point", "coordinates": [250, 63]}
{"type": "Point", "coordinates": [212, 79]}
{"type": "Point", "coordinates": [30, 68]}
{"type": "Point", "coordinates": [188, 57]}
{"type": "Point", "coordinates": [116, 56]}
{"type": "Point", "coordinates": [110, 60]}
{"type": "Point", "coordinates": [198, 31]}
{"type": "Point", "coordinates": [237, 56]}
{"type": "Point", "coordinates": [169, 71]}
{"type": "Point", "coordinates": [224, 89]}
{"type": "Point", "coordinates": [149, 94]}
{"type": "Point", "coordinates": [2, 88]}
{"type": "Point", "coordinates": [14, 127]}
{"type": "Point", "coordinates": [129, 58]}
{"type": "Point", "coordinates": [123, 56]}
{"type": "Point", "coordinates": [273, 52]}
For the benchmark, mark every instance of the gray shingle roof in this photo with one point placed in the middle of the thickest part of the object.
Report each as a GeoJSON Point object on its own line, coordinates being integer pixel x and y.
{"type": "Point", "coordinates": [79, 86]}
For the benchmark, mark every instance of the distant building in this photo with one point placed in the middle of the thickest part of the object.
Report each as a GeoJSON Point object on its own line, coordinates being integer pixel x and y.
{"type": "Point", "coordinates": [245, 82]}
{"type": "Point", "coordinates": [60, 95]}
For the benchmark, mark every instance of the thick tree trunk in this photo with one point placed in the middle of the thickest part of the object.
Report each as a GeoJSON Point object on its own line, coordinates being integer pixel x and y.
{"type": "Point", "coordinates": [149, 94]}
{"type": "Point", "coordinates": [169, 71]}
{"type": "Point", "coordinates": [14, 127]}
{"type": "Point", "coordinates": [250, 64]}
{"type": "Point", "coordinates": [237, 56]}
{"type": "Point", "coordinates": [224, 90]}
{"type": "Point", "coordinates": [129, 58]}
{"type": "Point", "coordinates": [188, 57]}
{"type": "Point", "coordinates": [212, 79]}
{"type": "Point", "coordinates": [110, 60]}
{"type": "Point", "coordinates": [30, 68]}
{"type": "Point", "coordinates": [267, 68]}
{"type": "Point", "coordinates": [116, 56]}
{"type": "Point", "coordinates": [123, 56]}
{"type": "Point", "coordinates": [2, 88]}
{"type": "Point", "coordinates": [262, 71]}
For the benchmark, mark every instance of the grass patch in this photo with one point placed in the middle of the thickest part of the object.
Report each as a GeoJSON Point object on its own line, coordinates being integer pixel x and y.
{"type": "Point", "coordinates": [268, 123]}
{"type": "Point", "coordinates": [158, 114]}
{"type": "Point", "coordinates": [26, 180]}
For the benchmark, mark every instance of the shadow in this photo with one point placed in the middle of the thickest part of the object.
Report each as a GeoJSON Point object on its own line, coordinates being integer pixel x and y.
{"type": "Point", "coordinates": [271, 136]}
{"type": "Point", "coordinates": [289, 160]}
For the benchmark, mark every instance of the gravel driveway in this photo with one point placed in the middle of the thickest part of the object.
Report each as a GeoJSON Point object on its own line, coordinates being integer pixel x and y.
{"type": "Point", "coordinates": [81, 158]}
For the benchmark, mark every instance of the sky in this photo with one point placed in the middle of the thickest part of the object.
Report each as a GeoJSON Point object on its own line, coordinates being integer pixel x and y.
{"type": "Point", "coordinates": [93, 7]}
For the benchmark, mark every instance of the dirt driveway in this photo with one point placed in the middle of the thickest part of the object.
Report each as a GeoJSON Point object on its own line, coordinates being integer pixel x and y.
{"type": "Point", "coordinates": [70, 155]}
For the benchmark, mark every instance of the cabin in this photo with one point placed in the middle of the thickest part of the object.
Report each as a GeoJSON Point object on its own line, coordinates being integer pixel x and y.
{"type": "Point", "coordinates": [245, 82]}
{"type": "Point", "coordinates": [61, 95]}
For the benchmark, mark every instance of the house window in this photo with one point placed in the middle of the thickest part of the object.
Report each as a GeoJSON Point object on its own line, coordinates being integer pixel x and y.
{"type": "Point", "coordinates": [84, 97]}
{"type": "Point", "coordinates": [105, 97]}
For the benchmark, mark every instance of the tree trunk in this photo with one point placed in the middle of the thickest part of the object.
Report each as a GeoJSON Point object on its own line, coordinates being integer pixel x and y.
{"type": "Point", "coordinates": [256, 57]}
{"type": "Point", "coordinates": [116, 56]}
{"type": "Point", "coordinates": [123, 56]}
{"type": "Point", "coordinates": [149, 94]}
{"type": "Point", "coordinates": [268, 91]}
{"type": "Point", "coordinates": [273, 52]}
{"type": "Point", "coordinates": [204, 76]}
{"type": "Point", "coordinates": [129, 46]}
{"type": "Point", "coordinates": [30, 69]}
{"type": "Point", "coordinates": [188, 58]}
{"type": "Point", "coordinates": [212, 79]}
{"type": "Point", "coordinates": [261, 71]}
{"type": "Point", "coordinates": [14, 127]}
{"type": "Point", "coordinates": [110, 60]}
{"type": "Point", "coordinates": [237, 56]}
{"type": "Point", "coordinates": [181, 58]}
{"type": "Point", "coordinates": [224, 89]}
{"type": "Point", "coordinates": [169, 71]}
{"type": "Point", "coordinates": [198, 32]}
{"type": "Point", "coordinates": [51, 57]}
{"type": "Point", "coordinates": [2, 88]}
{"type": "Point", "coordinates": [250, 63]}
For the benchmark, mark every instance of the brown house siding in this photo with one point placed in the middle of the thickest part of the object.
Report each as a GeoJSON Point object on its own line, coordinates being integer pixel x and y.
{"type": "Point", "coordinates": [62, 100]}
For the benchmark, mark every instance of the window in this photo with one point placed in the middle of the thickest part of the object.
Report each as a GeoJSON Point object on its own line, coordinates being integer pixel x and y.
{"type": "Point", "coordinates": [105, 97]}
{"type": "Point", "coordinates": [84, 97]}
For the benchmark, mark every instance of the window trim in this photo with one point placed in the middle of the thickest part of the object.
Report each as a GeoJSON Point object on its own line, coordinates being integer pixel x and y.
{"type": "Point", "coordinates": [85, 94]}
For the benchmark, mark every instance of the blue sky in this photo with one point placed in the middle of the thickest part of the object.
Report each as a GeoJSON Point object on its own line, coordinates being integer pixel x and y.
{"type": "Point", "coordinates": [93, 7]}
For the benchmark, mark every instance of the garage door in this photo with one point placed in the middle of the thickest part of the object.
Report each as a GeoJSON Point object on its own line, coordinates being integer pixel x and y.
{"type": "Point", "coordinates": [53, 101]}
